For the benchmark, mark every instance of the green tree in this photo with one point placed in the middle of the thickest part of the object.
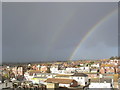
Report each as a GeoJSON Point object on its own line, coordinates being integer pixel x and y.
{"type": "Point", "coordinates": [112, 57]}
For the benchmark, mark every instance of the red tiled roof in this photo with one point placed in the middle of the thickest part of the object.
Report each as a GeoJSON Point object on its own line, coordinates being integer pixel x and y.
{"type": "Point", "coordinates": [34, 71]}
{"type": "Point", "coordinates": [59, 80]}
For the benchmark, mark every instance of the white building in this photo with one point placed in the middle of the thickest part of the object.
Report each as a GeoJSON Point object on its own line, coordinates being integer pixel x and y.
{"type": "Point", "coordinates": [83, 69]}
{"type": "Point", "coordinates": [37, 77]}
{"type": "Point", "coordinates": [95, 65]}
{"type": "Point", "coordinates": [54, 70]}
{"type": "Point", "coordinates": [81, 78]}
{"type": "Point", "coordinates": [114, 62]}
{"type": "Point", "coordinates": [6, 85]}
{"type": "Point", "coordinates": [70, 69]}
{"type": "Point", "coordinates": [102, 86]}
{"type": "Point", "coordinates": [28, 76]}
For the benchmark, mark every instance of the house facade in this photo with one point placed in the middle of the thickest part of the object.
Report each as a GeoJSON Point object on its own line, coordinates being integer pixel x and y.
{"type": "Point", "coordinates": [63, 82]}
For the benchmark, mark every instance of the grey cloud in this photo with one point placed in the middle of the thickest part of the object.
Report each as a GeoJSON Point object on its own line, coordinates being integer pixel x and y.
{"type": "Point", "coordinates": [46, 31]}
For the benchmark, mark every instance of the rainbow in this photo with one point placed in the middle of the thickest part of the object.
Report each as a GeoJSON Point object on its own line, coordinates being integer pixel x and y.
{"type": "Point", "coordinates": [59, 30]}
{"type": "Point", "coordinates": [91, 31]}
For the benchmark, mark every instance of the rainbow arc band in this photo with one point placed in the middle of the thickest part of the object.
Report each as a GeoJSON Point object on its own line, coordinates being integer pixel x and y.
{"type": "Point", "coordinates": [91, 31]}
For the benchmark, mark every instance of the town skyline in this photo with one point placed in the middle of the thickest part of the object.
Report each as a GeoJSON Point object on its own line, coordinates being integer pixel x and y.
{"type": "Point", "coordinates": [59, 45]}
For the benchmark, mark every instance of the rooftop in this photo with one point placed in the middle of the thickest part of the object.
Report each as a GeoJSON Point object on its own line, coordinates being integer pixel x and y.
{"type": "Point", "coordinates": [59, 80]}
{"type": "Point", "coordinates": [79, 74]}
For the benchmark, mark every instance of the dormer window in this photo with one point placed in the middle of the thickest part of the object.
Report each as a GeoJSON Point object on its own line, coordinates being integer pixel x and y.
{"type": "Point", "coordinates": [71, 83]}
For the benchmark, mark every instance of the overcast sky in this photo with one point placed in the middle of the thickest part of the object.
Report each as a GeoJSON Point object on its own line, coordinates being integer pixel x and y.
{"type": "Point", "coordinates": [52, 31]}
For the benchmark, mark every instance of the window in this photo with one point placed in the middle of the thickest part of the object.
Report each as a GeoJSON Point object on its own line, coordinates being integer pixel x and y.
{"type": "Point", "coordinates": [35, 74]}
{"type": "Point", "coordinates": [71, 83]}
{"type": "Point", "coordinates": [6, 84]}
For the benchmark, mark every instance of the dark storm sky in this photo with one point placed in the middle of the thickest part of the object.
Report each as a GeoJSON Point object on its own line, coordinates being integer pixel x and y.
{"type": "Point", "coordinates": [52, 31]}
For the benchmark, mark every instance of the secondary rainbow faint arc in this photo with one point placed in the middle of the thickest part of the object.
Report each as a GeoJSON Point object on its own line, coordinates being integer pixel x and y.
{"type": "Point", "coordinates": [90, 32]}
{"type": "Point", "coordinates": [61, 29]}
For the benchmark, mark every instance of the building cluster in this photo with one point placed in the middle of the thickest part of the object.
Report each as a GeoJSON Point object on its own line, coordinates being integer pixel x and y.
{"type": "Point", "coordinates": [110, 67]}
{"type": "Point", "coordinates": [70, 74]}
